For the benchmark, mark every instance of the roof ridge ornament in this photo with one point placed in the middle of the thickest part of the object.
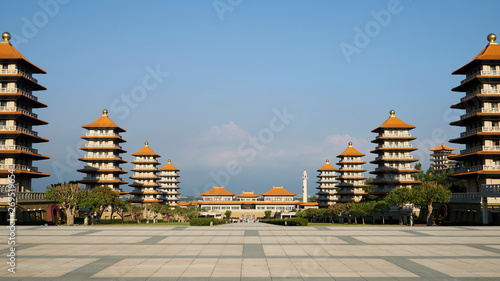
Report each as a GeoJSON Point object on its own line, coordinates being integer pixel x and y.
{"type": "Point", "coordinates": [6, 37]}
{"type": "Point", "coordinates": [105, 112]}
{"type": "Point", "coordinates": [492, 38]}
{"type": "Point", "coordinates": [392, 112]}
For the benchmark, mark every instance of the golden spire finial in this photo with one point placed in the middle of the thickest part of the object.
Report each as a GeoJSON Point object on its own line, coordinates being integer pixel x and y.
{"type": "Point", "coordinates": [168, 161]}
{"type": "Point", "coordinates": [350, 144]}
{"type": "Point", "coordinates": [327, 162]}
{"type": "Point", "coordinates": [392, 112]}
{"type": "Point", "coordinates": [492, 38]}
{"type": "Point", "coordinates": [105, 112]}
{"type": "Point", "coordinates": [6, 37]}
{"type": "Point", "coordinates": [146, 143]}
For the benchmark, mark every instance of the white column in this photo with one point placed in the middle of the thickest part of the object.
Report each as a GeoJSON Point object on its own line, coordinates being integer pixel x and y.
{"type": "Point", "coordinates": [304, 186]}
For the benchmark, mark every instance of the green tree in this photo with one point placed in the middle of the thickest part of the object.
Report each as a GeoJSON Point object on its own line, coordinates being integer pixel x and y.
{"type": "Point", "coordinates": [429, 192]}
{"type": "Point", "coordinates": [136, 210]}
{"type": "Point", "coordinates": [310, 214]}
{"type": "Point", "coordinates": [313, 198]}
{"type": "Point", "coordinates": [69, 195]}
{"type": "Point", "coordinates": [400, 197]}
{"type": "Point", "coordinates": [99, 198]}
{"type": "Point", "coordinates": [338, 210]}
{"type": "Point", "coordinates": [267, 214]}
{"type": "Point", "coordinates": [123, 207]}
{"type": "Point", "coordinates": [321, 214]}
{"type": "Point", "coordinates": [227, 214]}
{"type": "Point", "coordinates": [381, 207]}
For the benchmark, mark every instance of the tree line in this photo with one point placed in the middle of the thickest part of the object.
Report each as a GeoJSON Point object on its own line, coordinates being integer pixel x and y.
{"type": "Point", "coordinates": [74, 198]}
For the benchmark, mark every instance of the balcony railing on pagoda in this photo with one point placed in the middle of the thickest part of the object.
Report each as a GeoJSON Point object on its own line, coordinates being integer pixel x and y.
{"type": "Point", "coordinates": [394, 135]}
{"type": "Point", "coordinates": [394, 157]}
{"type": "Point", "coordinates": [480, 148]}
{"type": "Point", "coordinates": [17, 90]}
{"type": "Point", "coordinates": [17, 71]}
{"type": "Point", "coordinates": [18, 167]}
{"type": "Point", "coordinates": [20, 148]}
{"type": "Point", "coordinates": [394, 146]}
{"type": "Point", "coordinates": [481, 129]}
{"type": "Point", "coordinates": [481, 110]}
{"type": "Point", "coordinates": [101, 134]}
{"type": "Point", "coordinates": [17, 128]}
{"type": "Point", "coordinates": [482, 72]}
{"type": "Point", "coordinates": [476, 168]}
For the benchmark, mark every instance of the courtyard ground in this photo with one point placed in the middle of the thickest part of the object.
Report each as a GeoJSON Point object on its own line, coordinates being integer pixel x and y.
{"type": "Point", "coordinates": [252, 251]}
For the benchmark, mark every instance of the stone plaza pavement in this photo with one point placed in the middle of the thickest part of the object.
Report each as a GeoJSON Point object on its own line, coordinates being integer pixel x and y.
{"type": "Point", "coordinates": [253, 251]}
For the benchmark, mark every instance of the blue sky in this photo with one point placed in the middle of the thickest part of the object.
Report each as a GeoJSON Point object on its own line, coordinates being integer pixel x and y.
{"type": "Point", "coordinates": [226, 71]}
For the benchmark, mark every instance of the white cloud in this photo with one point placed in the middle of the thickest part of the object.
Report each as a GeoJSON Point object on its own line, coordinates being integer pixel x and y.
{"type": "Point", "coordinates": [226, 133]}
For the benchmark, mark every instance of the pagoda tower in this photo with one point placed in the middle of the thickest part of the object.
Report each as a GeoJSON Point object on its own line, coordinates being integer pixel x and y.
{"type": "Point", "coordinates": [168, 184]}
{"type": "Point", "coordinates": [328, 191]}
{"type": "Point", "coordinates": [145, 176]}
{"type": "Point", "coordinates": [481, 121]}
{"type": "Point", "coordinates": [393, 159]}
{"type": "Point", "coordinates": [17, 118]}
{"type": "Point", "coordinates": [352, 181]}
{"type": "Point", "coordinates": [440, 160]}
{"type": "Point", "coordinates": [103, 154]}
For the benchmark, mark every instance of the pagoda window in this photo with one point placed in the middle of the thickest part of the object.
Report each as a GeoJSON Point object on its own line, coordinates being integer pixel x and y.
{"type": "Point", "coordinates": [4, 85]}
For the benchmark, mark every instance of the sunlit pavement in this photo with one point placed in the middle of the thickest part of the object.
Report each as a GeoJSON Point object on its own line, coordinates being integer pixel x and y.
{"type": "Point", "coordinates": [252, 251]}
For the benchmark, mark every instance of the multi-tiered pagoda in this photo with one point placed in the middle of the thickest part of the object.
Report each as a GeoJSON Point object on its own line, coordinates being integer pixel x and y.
{"type": "Point", "coordinates": [145, 179]}
{"type": "Point", "coordinates": [328, 191]}
{"type": "Point", "coordinates": [481, 121]}
{"type": "Point", "coordinates": [440, 158]}
{"type": "Point", "coordinates": [103, 154]}
{"type": "Point", "coordinates": [169, 184]}
{"type": "Point", "coordinates": [17, 119]}
{"type": "Point", "coordinates": [393, 159]}
{"type": "Point", "coordinates": [352, 181]}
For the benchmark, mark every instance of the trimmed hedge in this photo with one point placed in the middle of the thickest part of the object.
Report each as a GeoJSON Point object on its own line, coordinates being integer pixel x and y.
{"type": "Point", "coordinates": [291, 222]}
{"type": "Point", "coordinates": [206, 221]}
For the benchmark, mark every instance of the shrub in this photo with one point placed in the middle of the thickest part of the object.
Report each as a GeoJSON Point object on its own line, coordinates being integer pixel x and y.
{"type": "Point", "coordinates": [205, 221]}
{"type": "Point", "coordinates": [291, 222]}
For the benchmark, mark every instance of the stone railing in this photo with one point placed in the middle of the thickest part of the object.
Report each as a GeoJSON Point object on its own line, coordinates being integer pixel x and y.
{"type": "Point", "coordinates": [480, 148]}
{"type": "Point", "coordinates": [394, 157]}
{"type": "Point", "coordinates": [21, 196]}
{"type": "Point", "coordinates": [101, 145]}
{"type": "Point", "coordinates": [95, 134]}
{"type": "Point", "coordinates": [477, 130]}
{"type": "Point", "coordinates": [17, 71]}
{"type": "Point", "coordinates": [4, 188]}
{"type": "Point", "coordinates": [490, 190]}
{"type": "Point", "coordinates": [18, 109]}
{"type": "Point", "coordinates": [395, 135]}
{"type": "Point", "coordinates": [470, 197]}
{"type": "Point", "coordinates": [18, 147]}
{"type": "Point", "coordinates": [481, 110]}
{"type": "Point", "coordinates": [17, 90]}
{"type": "Point", "coordinates": [18, 167]}
{"type": "Point", "coordinates": [17, 128]}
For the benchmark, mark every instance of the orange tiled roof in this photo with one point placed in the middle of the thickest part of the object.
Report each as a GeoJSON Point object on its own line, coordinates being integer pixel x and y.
{"type": "Point", "coordinates": [248, 195]}
{"type": "Point", "coordinates": [393, 123]}
{"type": "Point", "coordinates": [145, 151]}
{"type": "Point", "coordinates": [218, 191]}
{"type": "Point", "coordinates": [278, 191]}
{"type": "Point", "coordinates": [350, 151]}
{"type": "Point", "coordinates": [327, 167]}
{"type": "Point", "coordinates": [442, 147]}
{"type": "Point", "coordinates": [490, 52]}
{"type": "Point", "coordinates": [103, 122]}
{"type": "Point", "coordinates": [309, 204]}
{"type": "Point", "coordinates": [7, 51]}
{"type": "Point", "coordinates": [169, 167]}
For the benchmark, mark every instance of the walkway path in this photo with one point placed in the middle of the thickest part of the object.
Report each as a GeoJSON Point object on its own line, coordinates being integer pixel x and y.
{"type": "Point", "coordinates": [253, 251]}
